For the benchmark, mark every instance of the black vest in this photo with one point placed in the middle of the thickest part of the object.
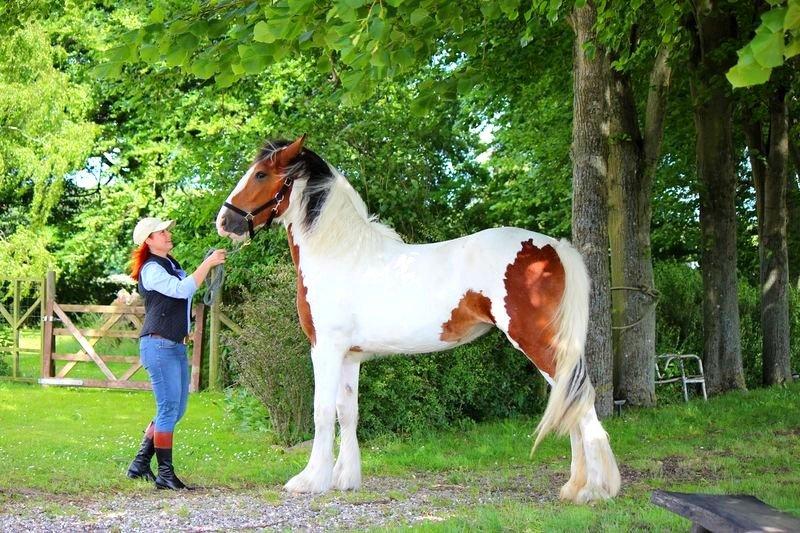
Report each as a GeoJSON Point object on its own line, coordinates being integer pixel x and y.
{"type": "Point", "coordinates": [164, 315]}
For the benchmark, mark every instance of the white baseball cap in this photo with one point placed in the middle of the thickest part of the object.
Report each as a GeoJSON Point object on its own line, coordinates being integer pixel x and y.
{"type": "Point", "coordinates": [149, 225]}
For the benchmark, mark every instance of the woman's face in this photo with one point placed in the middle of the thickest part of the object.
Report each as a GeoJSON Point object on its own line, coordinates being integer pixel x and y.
{"type": "Point", "coordinates": [160, 242]}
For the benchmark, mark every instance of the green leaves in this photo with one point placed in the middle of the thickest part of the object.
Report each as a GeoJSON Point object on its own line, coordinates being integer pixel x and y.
{"type": "Point", "coordinates": [768, 49]}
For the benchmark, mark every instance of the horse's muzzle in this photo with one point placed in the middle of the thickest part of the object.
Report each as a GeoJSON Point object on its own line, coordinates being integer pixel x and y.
{"type": "Point", "coordinates": [230, 224]}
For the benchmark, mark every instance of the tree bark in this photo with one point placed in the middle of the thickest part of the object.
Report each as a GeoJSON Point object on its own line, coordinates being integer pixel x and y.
{"type": "Point", "coordinates": [773, 242]}
{"type": "Point", "coordinates": [632, 163]}
{"type": "Point", "coordinates": [712, 109]}
{"type": "Point", "coordinates": [793, 207]}
{"type": "Point", "coordinates": [589, 202]}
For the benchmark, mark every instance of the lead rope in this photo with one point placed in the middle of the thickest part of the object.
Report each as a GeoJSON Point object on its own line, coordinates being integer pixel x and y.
{"type": "Point", "coordinates": [216, 276]}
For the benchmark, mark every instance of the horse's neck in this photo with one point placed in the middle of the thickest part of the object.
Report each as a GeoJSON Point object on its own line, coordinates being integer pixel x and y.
{"type": "Point", "coordinates": [343, 228]}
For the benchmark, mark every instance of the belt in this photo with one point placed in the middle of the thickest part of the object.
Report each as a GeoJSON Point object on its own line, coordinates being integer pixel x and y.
{"type": "Point", "coordinates": [185, 340]}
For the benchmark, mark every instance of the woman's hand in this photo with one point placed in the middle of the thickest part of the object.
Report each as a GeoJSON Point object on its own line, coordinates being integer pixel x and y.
{"type": "Point", "coordinates": [217, 257]}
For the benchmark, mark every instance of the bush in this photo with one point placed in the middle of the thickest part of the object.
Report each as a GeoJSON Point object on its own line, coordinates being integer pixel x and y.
{"type": "Point", "coordinates": [679, 315]}
{"type": "Point", "coordinates": [483, 380]}
{"type": "Point", "coordinates": [271, 355]}
{"type": "Point", "coordinates": [5, 357]}
{"type": "Point", "coordinates": [679, 318]}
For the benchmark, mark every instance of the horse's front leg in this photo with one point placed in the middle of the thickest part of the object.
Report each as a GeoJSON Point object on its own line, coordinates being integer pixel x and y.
{"type": "Point", "coordinates": [347, 471]}
{"type": "Point", "coordinates": [317, 475]}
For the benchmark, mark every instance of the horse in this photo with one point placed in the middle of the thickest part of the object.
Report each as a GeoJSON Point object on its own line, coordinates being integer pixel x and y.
{"type": "Point", "coordinates": [363, 292]}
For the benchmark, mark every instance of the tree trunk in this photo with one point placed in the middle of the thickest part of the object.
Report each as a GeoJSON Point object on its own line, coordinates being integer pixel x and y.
{"type": "Point", "coordinates": [793, 208]}
{"type": "Point", "coordinates": [773, 240]}
{"type": "Point", "coordinates": [589, 202]}
{"type": "Point", "coordinates": [632, 164]}
{"type": "Point", "coordinates": [769, 165]}
{"type": "Point", "coordinates": [712, 103]}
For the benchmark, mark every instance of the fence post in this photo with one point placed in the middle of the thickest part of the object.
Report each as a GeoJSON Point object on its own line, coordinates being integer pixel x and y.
{"type": "Point", "coordinates": [48, 341]}
{"type": "Point", "coordinates": [197, 347]}
{"type": "Point", "coordinates": [15, 330]}
{"type": "Point", "coordinates": [213, 346]}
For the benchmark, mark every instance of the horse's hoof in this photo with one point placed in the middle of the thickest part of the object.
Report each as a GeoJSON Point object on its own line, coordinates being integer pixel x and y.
{"type": "Point", "coordinates": [570, 490]}
{"type": "Point", "coordinates": [591, 493]}
{"type": "Point", "coordinates": [304, 483]}
{"type": "Point", "coordinates": [346, 480]}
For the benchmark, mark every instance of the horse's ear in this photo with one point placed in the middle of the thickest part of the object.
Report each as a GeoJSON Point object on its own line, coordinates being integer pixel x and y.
{"type": "Point", "coordinates": [291, 151]}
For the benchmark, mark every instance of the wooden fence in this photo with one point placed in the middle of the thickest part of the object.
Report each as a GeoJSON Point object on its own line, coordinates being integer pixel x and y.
{"type": "Point", "coordinates": [116, 322]}
{"type": "Point", "coordinates": [16, 317]}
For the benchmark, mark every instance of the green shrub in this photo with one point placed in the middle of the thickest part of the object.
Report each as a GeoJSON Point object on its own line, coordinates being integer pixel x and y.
{"type": "Point", "coordinates": [5, 357]}
{"type": "Point", "coordinates": [679, 318]}
{"type": "Point", "coordinates": [679, 314]}
{"type": "Point", "coordinates": [271, 356]}
{"type": "Point", "coordinates": [486, 379]}
{"type": "Point", "coordinates": [247, 410]}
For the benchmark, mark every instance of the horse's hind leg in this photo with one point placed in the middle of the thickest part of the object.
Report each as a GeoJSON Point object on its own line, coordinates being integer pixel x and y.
{"type": "Point", "coordinates": [318, 474]}
{"type": "Point", "coordinates": [577, 478]}
{"type": "Point", "coordinates": [347, 471]}
{"type": "Point", "coordinates": [602, 473]}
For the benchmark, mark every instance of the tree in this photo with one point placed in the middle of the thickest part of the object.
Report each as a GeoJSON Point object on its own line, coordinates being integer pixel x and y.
{"type": "Point", "coordinates": [714, 27]}
{"type": "Point", "coordinates": [639, 43]}
{"type": "Point", "coordinates": [769, 160]}
{"type": "Point", "coordinates": [590, 197]}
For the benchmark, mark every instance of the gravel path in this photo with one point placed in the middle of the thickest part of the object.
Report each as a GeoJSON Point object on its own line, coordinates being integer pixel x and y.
{"type": "Point", "coordinates": [382, 501]}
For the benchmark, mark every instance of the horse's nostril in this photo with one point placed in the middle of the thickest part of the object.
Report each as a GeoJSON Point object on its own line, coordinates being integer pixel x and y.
{"type": "Point", "coordinates": [223, 221]}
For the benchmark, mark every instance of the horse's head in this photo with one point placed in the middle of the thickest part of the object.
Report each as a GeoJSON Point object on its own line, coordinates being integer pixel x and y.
{"type": "Point", "coordinates": [263, 193]}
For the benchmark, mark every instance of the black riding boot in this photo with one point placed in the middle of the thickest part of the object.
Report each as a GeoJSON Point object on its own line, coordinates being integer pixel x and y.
{"type": "Point", "coordinates": [166, 474]}
{"type": "Point", "coordinates": [140, 467]}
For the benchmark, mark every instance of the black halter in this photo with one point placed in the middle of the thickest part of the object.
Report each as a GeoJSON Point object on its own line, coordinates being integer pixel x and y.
{"type": "Point", "coordinates": [274, 202]}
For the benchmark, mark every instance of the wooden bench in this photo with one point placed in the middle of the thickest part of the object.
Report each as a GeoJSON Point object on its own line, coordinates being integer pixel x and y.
{"type": "Point", "coordinates": [726, 513]}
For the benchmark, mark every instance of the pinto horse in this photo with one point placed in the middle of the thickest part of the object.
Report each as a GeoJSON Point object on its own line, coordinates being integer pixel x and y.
{"type": "Point", "coordinates": [362, 292]}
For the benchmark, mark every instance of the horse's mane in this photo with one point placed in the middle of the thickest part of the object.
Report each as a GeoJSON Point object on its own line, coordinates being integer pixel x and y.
{"type": "Point", "coordinates": [331, 213]}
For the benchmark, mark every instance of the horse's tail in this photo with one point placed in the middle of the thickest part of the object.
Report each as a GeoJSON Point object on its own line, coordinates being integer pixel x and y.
{"type": "Point", "coordinates": [572, 392]}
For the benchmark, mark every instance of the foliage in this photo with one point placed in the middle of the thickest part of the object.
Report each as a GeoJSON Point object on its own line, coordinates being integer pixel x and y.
{"type": "Point", "coordinates": [776, 41]}
{"type": "Point", "coordinates": [24, 254]}
{"type": "Point", "coordinates": [679, 314]}
{"type": "Point", "coordinates": [44, 133]}
{"type": "Point", "coordinates": [359, 43]}
{"type": "Point", "coordinates": [247, 410]}
{"type": "Point", "coordinates": [679, 318]}
{"type": "Point", "coordinates": [5, 357]}
{"type": "Point", "coordinates": [484, 380]}
{"type": "Point", "coordinates": [270, 356]}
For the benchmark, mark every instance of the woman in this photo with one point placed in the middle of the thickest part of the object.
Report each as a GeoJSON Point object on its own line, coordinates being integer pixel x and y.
{"type": "Point", "coordinates": [167, 293]}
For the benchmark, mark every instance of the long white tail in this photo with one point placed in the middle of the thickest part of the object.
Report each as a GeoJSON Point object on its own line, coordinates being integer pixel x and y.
{"type": "Point", "coordinates": [572, 392]}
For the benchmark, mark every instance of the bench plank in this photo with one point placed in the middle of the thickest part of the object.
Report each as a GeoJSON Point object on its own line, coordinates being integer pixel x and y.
{"type": "Point", "coordinates": [720, 512]}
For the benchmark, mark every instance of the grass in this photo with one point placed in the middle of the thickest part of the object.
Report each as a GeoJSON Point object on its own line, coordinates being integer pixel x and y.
{"type": "Point", "coordinates": [79, 442]}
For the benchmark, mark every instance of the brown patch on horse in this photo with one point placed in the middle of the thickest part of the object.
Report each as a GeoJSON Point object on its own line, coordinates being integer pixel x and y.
{"type": "Point", "coordinates": [473, 309]}
{"type": "Point", "coordinates": [355, 349]}
{"type": "Point", "coordinates": [303, 308]}
{"type": "Point", "coordinates": [257, 192]}
{"type": "Point", "coordinates": [534, 287]}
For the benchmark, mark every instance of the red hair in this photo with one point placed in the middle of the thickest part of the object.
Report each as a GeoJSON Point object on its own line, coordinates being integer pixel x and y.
{"type": "Point", "coordinates": [138, 258]}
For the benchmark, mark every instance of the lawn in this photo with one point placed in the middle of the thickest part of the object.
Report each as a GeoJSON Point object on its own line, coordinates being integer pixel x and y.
{"type": "Point", "coordinates": [79, 442]}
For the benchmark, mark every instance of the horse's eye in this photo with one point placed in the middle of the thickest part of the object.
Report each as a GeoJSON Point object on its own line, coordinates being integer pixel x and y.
{"type": "Point", "coordinates": [260, 176]}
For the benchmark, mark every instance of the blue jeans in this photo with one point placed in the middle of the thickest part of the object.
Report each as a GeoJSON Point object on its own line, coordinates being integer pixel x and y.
{"type": "Point", "coordinates": [168, 367]}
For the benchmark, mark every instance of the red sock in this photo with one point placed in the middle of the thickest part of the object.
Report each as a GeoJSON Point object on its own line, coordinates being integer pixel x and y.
{"type": "Point", "coordinates": [151, 428]}
{"type": "Point", "coordinates": [162, 439]}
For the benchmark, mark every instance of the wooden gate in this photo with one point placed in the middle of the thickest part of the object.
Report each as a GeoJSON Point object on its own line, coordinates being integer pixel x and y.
{"type": "Point", "coordinates": [16, 317]}
{"type": "Point", "coordinates": [117, 322]}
